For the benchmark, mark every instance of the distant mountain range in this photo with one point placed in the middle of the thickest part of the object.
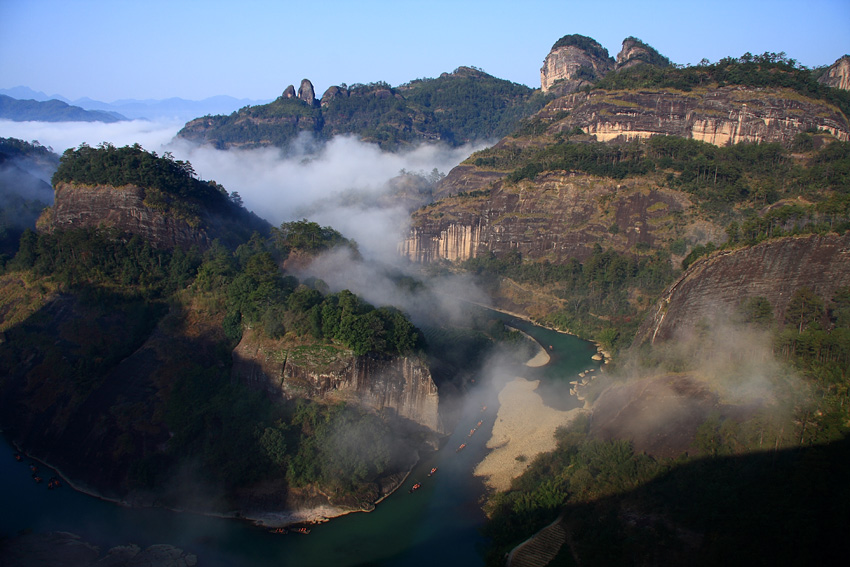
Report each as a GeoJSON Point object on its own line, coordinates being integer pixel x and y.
{"type": "Point", "coordinates": [131, 109]}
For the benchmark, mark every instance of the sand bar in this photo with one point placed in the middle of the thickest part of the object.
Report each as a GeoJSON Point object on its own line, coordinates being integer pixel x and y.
{"type": "Point", "coordinates": [524, 426]}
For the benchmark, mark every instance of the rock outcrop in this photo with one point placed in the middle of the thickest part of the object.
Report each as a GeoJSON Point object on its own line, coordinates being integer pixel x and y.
{"type": "Point", "coordinates": [635, 52]}
{"type": "Point", "coordinates": [715, 286]}
{"type": "Point", "coordinates": [289, 92]}
{"type": "Point", "coordinates": [332, 93]}
{"type": "Point", "coordinates": [396, 386]}
{"type": "Point", "coordinates": [85, 206]}
{"type": "Point", "coordinates": [574, 61]}
{"type": "Point", "coordinates": [559, 216]}
{"type": "Point", "coordinates": [722, 116]}
{"type": "Point", "coordinates": [163, 220]}
{"type": "Point", "coordinates": [838, 74]}
{"type": "Point", "coordinates": [306, 92]}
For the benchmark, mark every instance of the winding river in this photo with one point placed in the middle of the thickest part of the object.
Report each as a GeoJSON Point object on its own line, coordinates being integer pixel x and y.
{"type": "Point", "coordinates": [436, 525]}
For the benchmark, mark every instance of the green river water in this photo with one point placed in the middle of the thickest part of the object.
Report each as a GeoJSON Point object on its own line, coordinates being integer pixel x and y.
{"type": "Point", "coordinates": [436, 525]}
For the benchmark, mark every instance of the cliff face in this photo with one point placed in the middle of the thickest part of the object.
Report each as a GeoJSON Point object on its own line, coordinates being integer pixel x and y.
{"type": "Point", "coordinates": [560, 215]}
{"type": "Point", "coordinates": [167, 226]}
{"type": "Point", "coordinates": [574, 66]}
{"type": "Point", "coordinates": [838, 74]}
{"type": "Point", "coordinates": [398, 386]}
{"type": "Point", "coordinates": [775, 269]}
{"type": "Point", "coordinates": [83, 206]}
{"type": "Point", "coordinates": [556, 217]}
{"type": "Point", "coordinates": [722, 116]}
{"type": "Point", "coordinates": [635, 52]}
{"type": "Point", "coordinates": [577, 61]}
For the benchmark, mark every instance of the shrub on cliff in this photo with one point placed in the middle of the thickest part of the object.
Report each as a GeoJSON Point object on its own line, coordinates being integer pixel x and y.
{"type": "Point", "coordinates": [584, 43]}
{"type": "Point", "coordinates": [173, 183]}
{"type": "Point", "coordinates": [768, 70]}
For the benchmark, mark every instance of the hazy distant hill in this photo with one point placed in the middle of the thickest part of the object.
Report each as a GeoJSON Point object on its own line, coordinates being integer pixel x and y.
{"type": "Point", "coordinates": [170, 108]}
{"type": "Point", "coordinates": [151, 109]}
{"type": "Point", "coordinates": [51, 111]}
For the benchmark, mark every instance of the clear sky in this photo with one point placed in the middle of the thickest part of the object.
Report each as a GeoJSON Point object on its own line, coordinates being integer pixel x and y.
{"type": "Point", "coordinates": [118, 49]}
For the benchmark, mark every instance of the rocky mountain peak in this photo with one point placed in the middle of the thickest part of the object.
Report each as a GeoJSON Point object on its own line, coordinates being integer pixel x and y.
{"type": "Point", "coordinates": [574, 61]}
{"type": "Point", "coordinates": [306, 92]}
{"type": "Point", "coordinates": [289, 92]}
{"type": "Point", "coordinates": [635, 52]}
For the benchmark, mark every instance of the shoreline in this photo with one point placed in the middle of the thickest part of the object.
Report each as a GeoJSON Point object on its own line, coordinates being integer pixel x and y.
{"type": "Point", "coordinates": [606, 356]}
{"type": "Point", "coordinates": [270, 519]}
{"type": "Point", "coordinates": [326, 512]}
{"type": "Point", "coordinates": [524, 428]}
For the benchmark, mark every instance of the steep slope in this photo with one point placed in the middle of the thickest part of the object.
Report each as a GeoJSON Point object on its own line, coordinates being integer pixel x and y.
{"type": "Point", "coordinates": [837, 75]}
{"type": "Point", "coordinates": [156, 198]}
{"type": "Point", "coordinates": [399, 386]}
{"type": "Point", "coordinates": [577, 61]}
{"type": "Point", "coordinates": [558, 216]}
{"type": "Point", "coordinates": [715, 288]}
{"type": "Point", "coordinates": [569, 177]}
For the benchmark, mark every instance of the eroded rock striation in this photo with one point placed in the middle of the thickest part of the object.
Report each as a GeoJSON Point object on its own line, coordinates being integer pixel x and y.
{"type": "Point", "coordinates": [558, 216]}
{"type": "Point", "coordinates": [398, 386]}
{"type": "Point", "coordinates": [715, 286]}
{"type": "Point", "coordinates": [86, 206]}
{"type": "Point", "coordinates": [838, 74]}
{"type": "Point", "coordinates": [573, 62]}
{"type": "Point", "coordinates": [722, 116]}
{"type": "Point", "coordinates": [635, 52]}
{"type": "Point", "coordinates": [576, 61]}
{"type": "Point", "coordinates": [127, 209]}
{"type": "Point", "coordinates": [307, 93]}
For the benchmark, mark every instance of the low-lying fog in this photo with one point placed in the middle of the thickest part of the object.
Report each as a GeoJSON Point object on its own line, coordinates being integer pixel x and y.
{"type": "Point", "coordinates": [338, 186]}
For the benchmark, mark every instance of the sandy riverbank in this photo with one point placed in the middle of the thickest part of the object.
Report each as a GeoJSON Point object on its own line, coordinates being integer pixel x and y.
{"type": "Point", "coordinates": [524, 427]}
{"type": "Point", "coordinates": [541, 358]}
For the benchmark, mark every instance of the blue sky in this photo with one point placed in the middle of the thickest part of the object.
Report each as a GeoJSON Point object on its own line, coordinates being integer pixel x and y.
{"type": "Point", "coordinates": [117, 49]}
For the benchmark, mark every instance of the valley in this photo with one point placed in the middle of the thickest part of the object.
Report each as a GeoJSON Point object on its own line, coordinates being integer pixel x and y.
{"type": "Point", "coordinates": [674, 238]}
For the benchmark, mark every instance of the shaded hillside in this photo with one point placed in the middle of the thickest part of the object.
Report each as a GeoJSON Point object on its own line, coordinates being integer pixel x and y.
{"type": "Point", "coordinates": [773, 508]}
{"type": "Point", "coordinates": [455, 108]}
{"type": "Point", "coordinates": [117, 366]}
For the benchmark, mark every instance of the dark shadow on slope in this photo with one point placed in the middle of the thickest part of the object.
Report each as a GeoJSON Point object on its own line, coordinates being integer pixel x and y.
{"type": "Point", "coordinates": [788, 507]}
{"type": "Point", "coordinates": [84, 381]}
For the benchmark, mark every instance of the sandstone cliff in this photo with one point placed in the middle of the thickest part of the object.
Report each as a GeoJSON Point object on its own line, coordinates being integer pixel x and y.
{"type": "Point", "coordinates": [558, 216]}
{"type": "Point", "coordinates": [306, 92]}
{"type": "Point", "coordinates": [635, 52]}
{"type": "Point", "coordinates": [838, 74]}
{"type": "Point", "coordinates": [400, 387]}
{"type": "Point", "coordinates": [716, 286]}
{"type": "Point", "coordinates": [83, 206]}
{"type": "Point", "coordinates": [721, 116]}
{"type": "Point", "coordinates": [125, 209]}
{"type": "Point", "coordinates": [574, 61]}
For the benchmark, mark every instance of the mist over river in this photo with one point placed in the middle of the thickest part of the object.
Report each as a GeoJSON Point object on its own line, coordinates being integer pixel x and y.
{"type": "Point", "coordinates": [439, 524]}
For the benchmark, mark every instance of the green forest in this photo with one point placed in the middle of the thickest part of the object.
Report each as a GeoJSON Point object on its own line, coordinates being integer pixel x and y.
{"type": "Point", "coordinates": [125, 287]}
{"type": "Point", "coordinates": [765, 70]}
{"type": "Point", "coordinates": [454, 108]}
